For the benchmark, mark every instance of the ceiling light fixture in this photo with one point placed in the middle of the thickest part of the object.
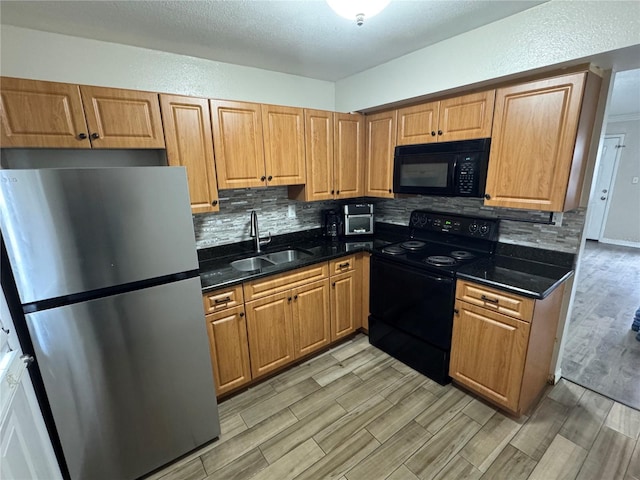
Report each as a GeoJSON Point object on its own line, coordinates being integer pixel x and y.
{"type": "Point", "coordinates": [358, 9]}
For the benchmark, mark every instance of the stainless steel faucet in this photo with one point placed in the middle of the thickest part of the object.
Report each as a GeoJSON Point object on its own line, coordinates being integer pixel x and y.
{"type": "Point", "coordinates": [255, 233]}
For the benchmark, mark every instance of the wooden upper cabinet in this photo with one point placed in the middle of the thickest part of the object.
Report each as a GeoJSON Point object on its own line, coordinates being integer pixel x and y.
{"type": "Point", "coordinates": [41, 114]}
{"type": "Point", "coordinates": [418, 124]}
{"type": "Point", "coordinates": [318, 125]}
{"type": "Point", "coordinates": [541, 135]}
{"type": "Point", "coordinates": [238, 145]}
{"type": "Point", "coordinates": [466, 117]}
{"type": "Point", "coordinates": [284, 150]}
{"type": "Point", "coordinates": [122, 118]}
{"type": "Point", "coordinates": [459, 118]}
{"type": "Point", "coordinates": [187, 130]}
{"type": "Point", "coordinates": [381, 141]}
{"type": "Point", "coordinates": [348, 156]}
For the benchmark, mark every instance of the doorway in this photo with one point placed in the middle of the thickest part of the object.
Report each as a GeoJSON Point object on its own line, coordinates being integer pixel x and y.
{"type": "Point", "coordinates": [601, 352]}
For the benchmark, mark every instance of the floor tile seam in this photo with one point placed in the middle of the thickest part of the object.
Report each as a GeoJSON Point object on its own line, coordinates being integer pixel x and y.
{"type": "Point", "coordinates": [627, 475]}
{"type": "Point", "coordinates": [459, 411]}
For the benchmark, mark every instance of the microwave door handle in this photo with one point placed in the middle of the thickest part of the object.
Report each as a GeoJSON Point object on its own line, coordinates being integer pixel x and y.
{"type": "Point", "coordinates": [454, 175]}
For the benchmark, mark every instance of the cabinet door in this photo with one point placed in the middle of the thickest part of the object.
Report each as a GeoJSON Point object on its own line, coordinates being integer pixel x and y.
{"type": "Point", "coordinates": [534, 134]}
{"type": "Point", "coordinates": [187, 130]}
{"type": "Point", "coordinates": [122, 118]}
{"type": "Point", "coordinates": [237, 142]}
{"type": "Point", "coordinates": [283, 129]}
{"type": "Point", "coordinates": [311, 324]}
{"type": "Point", "coordinates": [418, 124]}
{"type": "Point", "coordinates": [348, 166]}
{"type": "Point", "coordinates": [319, 155]}
{"type": "Point", "coordinates": [41, 114]}
{"type": "Point", "coordinates": [270, 331]}
{"type": "Point", "coordinates": [466, 117]}
{"type": "Point", "coordinates": [346, 304]}
{"type": "Point", "coordinates": [381, 140]}
{"type": "Point", "coordinates": [229, 349]}
{"type": "Point", "coordinates": [488, 352]}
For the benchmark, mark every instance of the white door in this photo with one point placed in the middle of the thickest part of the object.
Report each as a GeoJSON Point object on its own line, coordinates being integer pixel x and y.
{"type": "Point", "coordinates": [25, 449]}
{"type": "Point", "coordinates": [599, 201]}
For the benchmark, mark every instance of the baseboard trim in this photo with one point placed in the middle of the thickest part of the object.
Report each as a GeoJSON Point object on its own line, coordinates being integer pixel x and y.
{"type": "Point", "coordinates": [622, 243]}
{"type": "Point", "coordinates": [555, 377]}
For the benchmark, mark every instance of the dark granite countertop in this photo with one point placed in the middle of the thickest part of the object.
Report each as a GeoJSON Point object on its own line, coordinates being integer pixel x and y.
{"type": "Point", "coordinates": [216, 271]}
{"type": "Point", "coordinates": [525, 271]}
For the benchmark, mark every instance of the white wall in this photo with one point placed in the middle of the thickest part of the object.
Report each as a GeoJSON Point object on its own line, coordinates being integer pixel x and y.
{"type": "Point", "coordinates": [26, 53]}
{"type": "Point", "coordinates": [549, 34]}
{"type": "Point", "coordinates": [623, 220]}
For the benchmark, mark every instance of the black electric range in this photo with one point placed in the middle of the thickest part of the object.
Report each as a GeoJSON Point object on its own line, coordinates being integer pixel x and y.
{"type": "Point", "coordinates": [413, 287]}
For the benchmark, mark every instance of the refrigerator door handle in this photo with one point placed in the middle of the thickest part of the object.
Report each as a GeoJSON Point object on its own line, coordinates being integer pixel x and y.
{"type": "Point", "coordinates": [27, 359]}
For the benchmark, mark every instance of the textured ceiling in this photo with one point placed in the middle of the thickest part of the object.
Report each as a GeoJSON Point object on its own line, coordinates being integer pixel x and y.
{"type": "Point", "coordinates": [302, 37]}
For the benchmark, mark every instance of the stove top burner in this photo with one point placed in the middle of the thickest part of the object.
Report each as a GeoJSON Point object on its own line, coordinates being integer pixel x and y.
{"type": "Point", "coordinates": [462, 255]}
{"type": "Point", "coordinates": [394, 250]}
{"type": "Point", "coordinates": [440, 260]}
{"type": "Point", "coordinates": [413, 245]}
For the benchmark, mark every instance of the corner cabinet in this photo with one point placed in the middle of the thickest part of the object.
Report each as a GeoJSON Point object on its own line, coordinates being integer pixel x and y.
{"type": "Point", "coordinates": [502, 344]}
{"type": "Point", "coordinates": [541, 135]}
{"type": "Point", "coordinates": [187, 130]}
{"type": "Point", "coordinates": [459, 118]}
{"type": "Point", "coordinates": [34, 113]}
{"type": "Point", "coordinates": [380, 146]}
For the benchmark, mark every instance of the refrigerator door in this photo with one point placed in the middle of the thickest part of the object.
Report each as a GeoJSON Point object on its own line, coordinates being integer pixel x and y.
{"type": "Point", "coordinates": [75, 230]}
{"type": "Point", "coordinates": [128, 378]}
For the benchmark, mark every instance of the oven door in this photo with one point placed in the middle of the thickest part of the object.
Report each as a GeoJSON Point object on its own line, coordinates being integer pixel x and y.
{"type": "Point", "coordinates": [413, 301]}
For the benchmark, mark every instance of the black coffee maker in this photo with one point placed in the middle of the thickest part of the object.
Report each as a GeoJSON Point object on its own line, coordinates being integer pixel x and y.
{"type": "Point", "coordinates": [332, 224]}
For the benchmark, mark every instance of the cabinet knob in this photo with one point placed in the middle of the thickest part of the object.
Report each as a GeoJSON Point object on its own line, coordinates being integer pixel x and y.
{"type": "Point", "coordinates": [289, 299]}
{"type": "Point", "coordinates": [95, 135]}
{"type": "Point", "coordinates": [214, 203]}
{"type": "Point", "coordinates": [82, 136]}
{"type": "Point", "coordinates": [241, 314]}
{"type": "Point", "coordinates": [295, 297]}
{"type": "Point", "coordinates": [439, 132]}
{"type": "Point", "coordinates": [332, 192]}
{"type": "Point", "coordinates": [333, 284]}
{"type": "Point", "coordinates": [269, 178]}
{"type": "Point", "coordinates": [263, 178]}
{"type": "Point", "coordinates": [433, 133]}
{"type": "Point", "coordinates": [390, 191]}
{"type": "Point", "coordinates": [487, 196]}
{"type": "Point", "coordinates": [338, 192]}
{"type": "Point", "coordinates": [456, 311]}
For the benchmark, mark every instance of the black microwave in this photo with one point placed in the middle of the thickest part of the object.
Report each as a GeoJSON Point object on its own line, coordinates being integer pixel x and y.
{"type": "Point", "coordinates": [456, 169]}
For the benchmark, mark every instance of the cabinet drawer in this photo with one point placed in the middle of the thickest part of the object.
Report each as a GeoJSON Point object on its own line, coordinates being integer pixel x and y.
{"type": "Point", "coordinates": [496, 300]}
{"type": "Point", "coordinates": [342, 265]}
{"type": "Point", "coordinates": [223, 298]}
{"type": "Point", "coordinates": [284, 281]}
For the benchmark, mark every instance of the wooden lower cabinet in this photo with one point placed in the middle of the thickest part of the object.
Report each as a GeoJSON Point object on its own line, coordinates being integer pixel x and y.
{"type": "Point", "coordinates": [488, 353]}
{"type": "Point", "coordinates": [227, 331]}
{"type": "Point", "coordinates": [502, 358]}
{"type": "Point", "coordinates": [346, 304]}
{"type": "Point", "coordinates": [270, 329]}
{"type": "Point", "coordinates": [311, 320]}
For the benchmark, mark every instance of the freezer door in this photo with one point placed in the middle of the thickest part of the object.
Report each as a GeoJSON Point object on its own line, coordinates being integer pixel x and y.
{"type": "Point", "coordinates": [75, 230]}
{"type": "Point", "coordinates": [128, 378]}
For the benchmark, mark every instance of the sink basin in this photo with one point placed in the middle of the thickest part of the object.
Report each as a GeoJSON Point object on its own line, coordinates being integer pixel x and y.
{"type": "Point", "coordinates": [269, 259]}
{"type": "Point", "coordinates": [250, 264]}
{"type": "Point", "coordinates": [286, 256]}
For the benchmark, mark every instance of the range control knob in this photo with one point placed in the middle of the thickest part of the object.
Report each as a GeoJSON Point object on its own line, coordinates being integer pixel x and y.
{"type": "Point", "coordinates": [473, 228]}
{"type": "Point", "coordinates": [484, 229]}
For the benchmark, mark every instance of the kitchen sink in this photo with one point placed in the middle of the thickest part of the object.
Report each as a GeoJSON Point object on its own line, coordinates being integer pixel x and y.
{"type": "Point", "coordinates": [250, 264]}
{"type": "Point", "coordinates": [286, 256]}
{"type": "Point", "coordinates": [269, 259]}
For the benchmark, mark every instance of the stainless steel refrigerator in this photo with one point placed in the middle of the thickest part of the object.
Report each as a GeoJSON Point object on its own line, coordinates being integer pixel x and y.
{"type": "Point", "coordinates": [104, 266]}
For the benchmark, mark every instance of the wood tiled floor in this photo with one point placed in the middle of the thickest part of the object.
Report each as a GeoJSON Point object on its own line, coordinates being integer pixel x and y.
{"type": "Point", "coordinates": [601, 351]}
{"type": "Point", "coordinates": [355, 413]}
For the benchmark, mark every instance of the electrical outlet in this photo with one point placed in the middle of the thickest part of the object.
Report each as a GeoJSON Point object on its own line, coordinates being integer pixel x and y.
{"type": "Point", "coordinates": [291, 213]}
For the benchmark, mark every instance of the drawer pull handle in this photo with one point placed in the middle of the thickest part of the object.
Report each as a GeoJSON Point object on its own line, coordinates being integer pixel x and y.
{"type": "Point", "coordinates": [490, 300]}
{"type": "Point", "coordinates": [218, 301]}
{"type": "Point", "coordinates": [343, 265]}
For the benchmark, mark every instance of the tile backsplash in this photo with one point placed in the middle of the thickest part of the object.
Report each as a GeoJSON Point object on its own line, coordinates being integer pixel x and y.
{"type": "Point", "coordinates": [231, 224]}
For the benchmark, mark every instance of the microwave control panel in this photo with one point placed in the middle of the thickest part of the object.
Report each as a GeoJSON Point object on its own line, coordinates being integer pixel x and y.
{"type": "Point", "coordinates": [467, 175]}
